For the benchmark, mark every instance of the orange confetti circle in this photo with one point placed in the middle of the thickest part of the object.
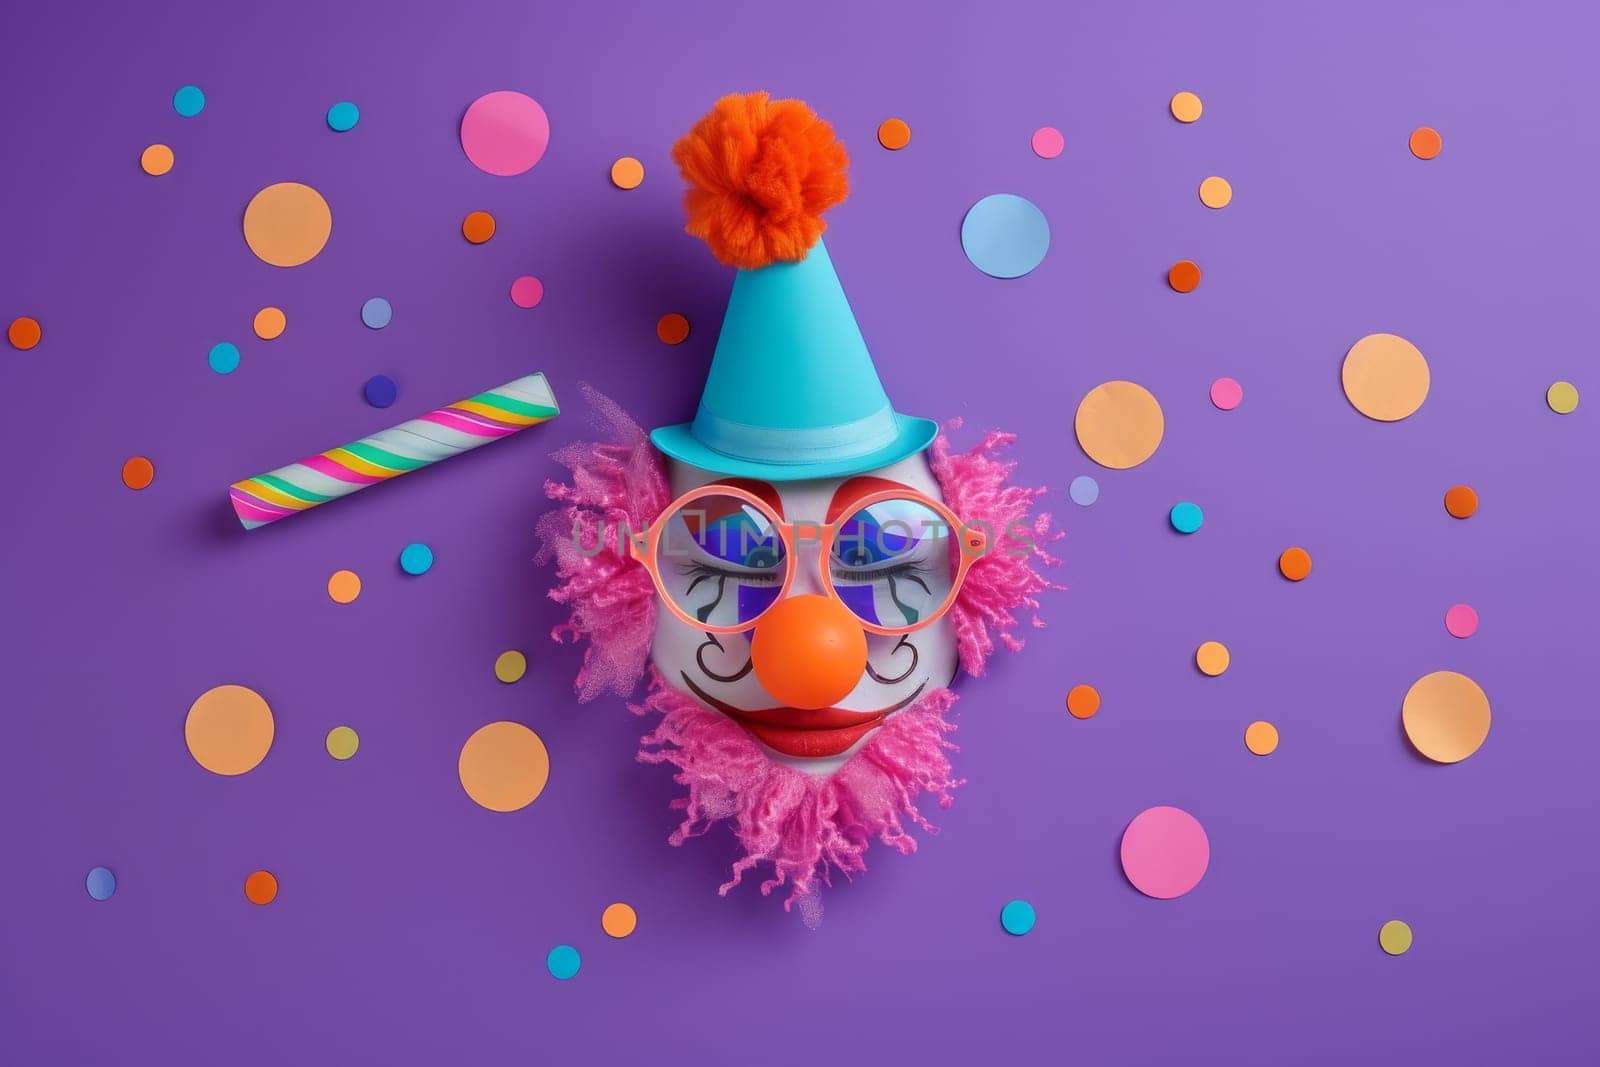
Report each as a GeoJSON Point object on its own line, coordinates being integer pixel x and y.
{"type": "Point", "coordinates": [619, 920]}
{"type": "Point", "coordinates": [1461, 501]}
{"type": "Point", "coordinates": [261, 887]}
{"type": "Point", "coordinates": [627, 173]}
{"type": "Point", "coordinates": [1385, 377]}
{"type": "Point", "coordinates": [1185, 107]}
{"type": "Point", "coordinates": [478, 227]}
{"type": "Point", "coordinates": [1083, 701]}
{"type": "Point", "coordinates": [1261, 738]}
{"type": "Point", "coordinates": [1215, 192]}
{"type": "Point", "coordinates": [156, 160]}
{"type": "Point", "coordinates": [673, 329]}
{"type": "Point", "coordinates": [1294, 564]}
{"type": "Point", "coordinates": [1446, 716]}
{"type": "Point", "coordinates": [1119, 424]}
{"type": "Point", "coordinates": [269, 323]}
{"type": "Point", "coordinates": [287, 224]}
{"type": "Point", "coordinates": [504, 766]}
{"type": "Point", "coordinates": [894, 134]}
{"type": "Point", "coordinates": [1212, 658]}
{"type": "Point", "coordinates": [24, 333]}
{"type": "Point", "coordinates": [1425, 142]}
{"type": "Point", "coordinates": [229, 729]}
{"type": "Point", "coordinates": [138, 472]}
{"type": "Point", "coordinates": [344, 586]}
{"type": "Point", "coordinates": [1184, 276]}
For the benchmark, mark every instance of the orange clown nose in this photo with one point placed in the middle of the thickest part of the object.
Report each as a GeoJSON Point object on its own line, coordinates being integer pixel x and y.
{"type": "Point", "coordinates": [809, 651]}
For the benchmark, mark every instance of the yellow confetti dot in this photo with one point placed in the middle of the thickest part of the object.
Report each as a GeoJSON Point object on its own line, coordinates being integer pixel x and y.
{"type": "Point", "coordinates": [619, 920]}
{"type": "Point", "coordinates": [156, 160]}
{"type": "Point", "coordinates": [1186, 107]}
{"type": "Point", "coordinates": [344, 586]}
{"type": "Point", "coordinates": [1562, 398]}
{"type": "Point", "coordinates": [1395, 937]}
{"type": "Point", "coordinates": [269, 323]}
{"type": "Point", "coordinates": [1212, 658]}
{"type": "Point", "coordinates": [504, 766]}
{"type": "Point", "coordinates": [627, 173]}
{"type": "Point", "coordinates": [510, 666]}
{"type": "Point", "coordinates": [1261, 738]}
{"type": "Point", "coordinates": [342, 742]}
{"type": "Point", "coordinates": [1215, 192]}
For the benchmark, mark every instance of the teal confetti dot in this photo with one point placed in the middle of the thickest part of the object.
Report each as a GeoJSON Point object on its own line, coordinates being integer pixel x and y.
{"type": "Point", "coordinates": [343, 116]}
{"type": "Point", "coordinates": [416, 558]}
{"type": "Point", "coordinates": [224, 357]}
{"type": "Point", "coordinates": [1017, 917]}
{"type": "Point", "coordinates": [100, 883]}
{"type": "Point", "coordinates": [1084, 490]}
{"type": "Point", "coordinates": [189, 101]}
{"type": "Point", "coordinates": [1187, 517]}
{"type": "Point", "coordinates": [563, 961]}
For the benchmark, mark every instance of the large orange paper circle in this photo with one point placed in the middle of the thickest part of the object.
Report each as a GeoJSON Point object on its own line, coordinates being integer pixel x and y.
{"type": "Point", "coordinates": [1120, 424]}
{"type": "Point", "coordinates": [1385, 377]}
{"type": "Point", "coordinates": [287, 224]}
{"type": "Point", "coordinates": [504, 766]}
{"type": "Point", "coordinates": [229, 729]}
{"type": "Point", "coordinates": [1446, 716]}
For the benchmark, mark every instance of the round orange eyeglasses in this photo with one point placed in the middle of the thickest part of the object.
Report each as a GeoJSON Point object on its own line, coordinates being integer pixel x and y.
{"type": "Point", "coordinates": [721, 557]}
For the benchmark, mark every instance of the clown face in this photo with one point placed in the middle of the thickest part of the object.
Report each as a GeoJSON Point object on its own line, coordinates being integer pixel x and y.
{"type": "Point", "coordinates": [890, 565]}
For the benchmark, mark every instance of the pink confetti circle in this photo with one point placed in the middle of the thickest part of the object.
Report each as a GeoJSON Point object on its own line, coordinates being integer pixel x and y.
{"type": "Point", "coordinates": [1048, 142]}
{"type": "Point", "coordinates": [1461, 620]}
{"type": "Point", "coordinates": [527, 291]}
{"type": "Point", "coordinates": [1226, 393]}
{"type": "Point", "coordinates": [1165, 852]}
{"type": "Point", "coordinates": [505, 132]}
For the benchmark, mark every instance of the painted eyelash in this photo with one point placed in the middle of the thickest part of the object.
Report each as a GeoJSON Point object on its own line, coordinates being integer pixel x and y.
{"type": "Point", "coordinates": [892, 570]}
{"type": "Point", "coordinates": [702, 571]}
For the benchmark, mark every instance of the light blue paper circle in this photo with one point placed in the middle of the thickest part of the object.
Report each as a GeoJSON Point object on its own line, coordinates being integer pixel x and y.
{"type": "Point", "coordinates": [343, 116]}
{"type": "Point", "coordinates": [563, 961]}
{"type": "Point", "coordinates": [416, 558]}
{"type": "Point", "coordinates": [1005, 236]}
{"type": "Point", "coordinates": [1187, 517]}
{"type": "Point", "coordinates": [1017, 917]}
{"type": "Point", "coordinates": [189, 101]}
{"type": "Point", "coordinates": [223, 357]}
{"type": "Point", "coordinates": [376, 313]}
{"type": "Point", "coordinates": [100, 883]}
{"type": "Point", "coordinates": [1084, 490]}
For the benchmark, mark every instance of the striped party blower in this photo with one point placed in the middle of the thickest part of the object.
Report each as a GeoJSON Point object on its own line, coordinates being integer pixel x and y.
{"type": "Point", "coordinates": [450, 431]}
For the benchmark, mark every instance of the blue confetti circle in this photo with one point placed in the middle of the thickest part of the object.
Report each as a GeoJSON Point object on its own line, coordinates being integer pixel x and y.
{"type": "Point", "coordinates": [1005, 236]}
{"type": "Point", "coordinates": [380, 390]}
{"type": "Point", "coordinates": [100, 883]}
{"type": "Point", "coordinates": [416, 558]}
{"type": "Point", "coordinates": [563, 961]}
{"type": "Point", "coordinates": [1187, 517]}
{"type": "Point", "coordinates": [189, 101]}
{"type": "Point", "coordinates": [224, 357]}
{"type": "Point", "coordinates": [343, 116]}
{"type": "Point", "coordinates": [1017, 917]}
{"type": "Point", "coordinates": [1084, 490]}
{"type": "Point", "coordinates": [376, 313]}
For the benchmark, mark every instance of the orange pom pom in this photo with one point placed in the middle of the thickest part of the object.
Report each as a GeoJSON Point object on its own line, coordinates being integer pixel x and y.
{"type": "Point", "coordinates": [761, 172]}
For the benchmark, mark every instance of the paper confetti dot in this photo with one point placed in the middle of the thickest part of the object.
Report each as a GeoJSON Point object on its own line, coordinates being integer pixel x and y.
{"type": "Point", "coordinates": [1385, 377]}
{"type": "Point", "coordinates": [344, 586]}
{"type": "Point", "coordinates": [1083, 701]}
{"type": "Point", "coordinates": [24, 333]}
{"type": "Point", "coordinates": [156, 160]}
{"type": "Point", "coordinates": [1165, 852]}
{"type": "Point", "coordinates": [672, 329]}
{"type": "Point", "coordinates": [1047, 142]}
{"type": "Point", "coordinates": [1212, 658]}
{"type": "Point", "coordinates": [1261, 738]}
{"type": "Point", "coordinates": [618, 920]}
{"type": "Point", "coordinates": [269, 323]}
{"type": "Point", "coordinates": [100, 883]}
{"type": "Point", "coordinates": [1294, 563]}
{"type": "Point", "coordinates": [894, 134]}
{"type": "Point", "coordinates": [1185, 107]}
{"type": "Point", "coordinates": [1084, 490]}
{"type": "Point", "coordinates": [1394, 937]}
{"type": "Point", "coordinates": [223, 357]}
{"type": "Point", "coordinates": [261, 887]}
{"type": "Point", "coordinates": [1461, 620]}
{"type": "Point", "coordinates": [138, 472]}
{"type": "Point", "coordinates": [1119, 424]}
{"type": "Point", "coordinates": [189, 101]}
{"type": "Point", "coordinates": [416, 558]}
{"type": "Point", "coordinates": [1184, 276]}
{"type": "Point", "coordinates": [627, 173]}
{"type": "Point", "coordinates": [1215, 192]}
{"type": "Point", "coordinates": [343, 116]}
{"type": "Point", "coordinates": [377, 312]}
{"type": "Point", "coordinates": [1562, 398]}
{"type": "Point", "coordinates": [1425, 142]}
{"type": "Point", "coordinates": [478, 227]}
{"type": "Point", "coordinates": [380, 390]}
{"type": "Point", "coordinates": [1017, 917]}
{"type": "Point", "coordinates": [229, 729]}
{"type": "Point", "coordinates": [504, 766]}
{"type": "Point", "coordinates": [563, 962]}
{"type": "Point", "coordinates": [1226, 394]}
{"type": "Point", "coordinates": [342, 742]}
{"type": "Point", "coordinates": [1461, 501]}
{"type": "Point", "coordinates": [527, 291]}
{"type": "Point", "coordinates": [510, 666]}
{"type": "Point", "coordinates": [504, 132]}
{"type": "Point", "coordinates": [1446, 716]}
{"type": "Point", "coordinates": [287, 224]}
{"type": "Point", "coordinates": [1005, 236]}
{"type": "Point", "coordinates": [1186, 518]}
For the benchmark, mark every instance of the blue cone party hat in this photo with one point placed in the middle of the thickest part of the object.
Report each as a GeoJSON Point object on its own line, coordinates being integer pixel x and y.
{"type": "Point", "coordinates": [792, 392]}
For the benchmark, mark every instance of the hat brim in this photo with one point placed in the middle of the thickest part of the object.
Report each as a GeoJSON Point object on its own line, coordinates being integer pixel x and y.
{"type": "Point", "coordinates": [912, 435]}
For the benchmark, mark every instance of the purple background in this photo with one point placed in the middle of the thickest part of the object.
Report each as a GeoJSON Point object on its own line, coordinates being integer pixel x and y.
{"type": "Point", "coordinates": [412, 925]}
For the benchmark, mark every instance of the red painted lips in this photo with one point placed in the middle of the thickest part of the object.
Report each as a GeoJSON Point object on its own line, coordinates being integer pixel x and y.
{"type": "Point", "coordinates": [806, 734]}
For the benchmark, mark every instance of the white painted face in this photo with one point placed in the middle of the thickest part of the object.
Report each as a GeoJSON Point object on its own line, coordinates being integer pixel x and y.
{"type": "Point", "coordinates": [716, 669]}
